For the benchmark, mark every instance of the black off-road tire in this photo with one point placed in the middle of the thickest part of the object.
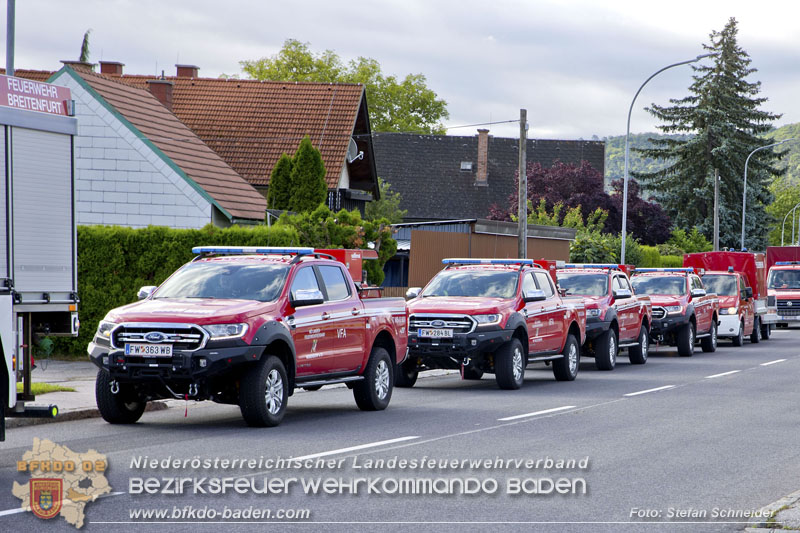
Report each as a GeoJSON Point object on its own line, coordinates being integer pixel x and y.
{"type": "Point", "coordinates": [125, 407]}
{"type": "Point", "coordinates": [709, 344]}
{"type": "Point", "coordinates": [638, 354]}
{"type": "Point", "coordinates": [755, 337]}
{"type": "Point", "coordinates": [606, 350]}
{"type": "Point", "coordinates": [686, 337]}
{"type": "Point", "coordinates": [566, 368]}
{"type": "Point", "coordinates": [471, 373]}
{"type": "Point", "coordinates": [375, 391]}
{"type": "Point", "coordinates": [739, 339]}
{"type": "Point", "coordinates": [509, 365]}
{"type": "Point", "coordinates": [264, 393]}
{"type": "Point", "coordinates": [766, 331]}
{"type": "Point", "coordinates": [405, 374]}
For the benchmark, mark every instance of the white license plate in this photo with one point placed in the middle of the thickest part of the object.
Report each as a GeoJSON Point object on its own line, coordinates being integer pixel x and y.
{"type": "Point", "coordinates": [148, 350]}
{"type": "Point", "coordinates": [435, 333]}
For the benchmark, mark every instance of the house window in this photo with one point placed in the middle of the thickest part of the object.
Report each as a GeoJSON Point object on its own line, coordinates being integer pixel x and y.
{"type": "Point", "coordinates": [466, 165]}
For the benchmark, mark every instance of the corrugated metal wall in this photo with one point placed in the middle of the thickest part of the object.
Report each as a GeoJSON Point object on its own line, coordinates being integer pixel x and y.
{"type": "Point", "coordinates": [428, 248]}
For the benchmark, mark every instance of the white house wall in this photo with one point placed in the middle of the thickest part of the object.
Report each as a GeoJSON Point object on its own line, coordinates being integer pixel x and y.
{"type": "Point", "coordinates": [120, 180]}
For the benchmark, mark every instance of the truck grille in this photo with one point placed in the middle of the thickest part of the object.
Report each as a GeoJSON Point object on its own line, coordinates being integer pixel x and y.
{"type": "Point", "coordinates": [458, 323]}
{"type": "Point", "coordinates": [789, 307]}
{"type": "Point", "coordinates": [188, 337]}
{"type": "Point", "coordinates": [659, 313]}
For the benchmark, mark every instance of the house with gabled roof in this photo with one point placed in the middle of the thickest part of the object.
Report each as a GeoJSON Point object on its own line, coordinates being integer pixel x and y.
{"type": "Point", "coordinates": [449, 177]}
{"type": "Point", "coordinates": [250, 123]}
{"type": "Point", "coordinates": [137, 164]}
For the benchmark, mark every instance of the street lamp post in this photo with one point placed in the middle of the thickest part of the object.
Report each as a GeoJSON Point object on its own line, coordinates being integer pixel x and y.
{"type": "Point", "coordinates": [783, 226]}
{"type": "Point", "coordinates": [744, 191]}
{"type": "Point", "coordinates": [627, 148]}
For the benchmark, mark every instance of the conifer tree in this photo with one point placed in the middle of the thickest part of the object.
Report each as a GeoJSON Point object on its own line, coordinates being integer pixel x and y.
{"type": "Point", "coordinates": [279, 194]}
{"type": "Point", "coordinates": [309, 189]}
{"type": "Point", "coordinates": [723, 113]}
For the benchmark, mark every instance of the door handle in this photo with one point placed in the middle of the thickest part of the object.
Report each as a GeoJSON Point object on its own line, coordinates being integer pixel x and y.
{"type": "Point", "coordinates": [325, 315]}
{"type": "Point", "coordinates": [356, 312]}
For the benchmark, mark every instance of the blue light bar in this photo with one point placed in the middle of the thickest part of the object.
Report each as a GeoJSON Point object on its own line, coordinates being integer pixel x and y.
{"type": "Point", "coordinates": [250, 250]}
{"type": "Point", "coordinates": [784, 263]}
{"type": "Point", "coordinates": [592, 265]}
{"type": "Point", "coordinates": [686, 269]}
{"type": "Point", "coordinates": [470, 261]}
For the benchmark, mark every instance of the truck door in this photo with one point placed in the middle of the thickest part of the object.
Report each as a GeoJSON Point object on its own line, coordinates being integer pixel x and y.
{"type": "Point", "coordinates": [555, 325]}
{"type": "Point", "coordinates": [346, 323]}
{"type": "Point", "coordinates": [306, 324]}
{"type": "Point", "coordinates": [702, 307]}
{"type": "Point", "coordinates": [627, 311]}
{"type": "Point", "coordinates": [748, 306]}
{"type": "Point", "coordinates": [535, 318]}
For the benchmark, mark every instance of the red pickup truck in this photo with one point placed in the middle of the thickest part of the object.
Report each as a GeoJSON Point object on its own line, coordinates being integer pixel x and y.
{"type": "Point", "coordinates": [495, 316]}
{"type": "Point", "coordinates": [247, 326]}
{"type": "Point", "coordinates": [615, 316]}
{"type": "Point", "coordinates": [682, 311]}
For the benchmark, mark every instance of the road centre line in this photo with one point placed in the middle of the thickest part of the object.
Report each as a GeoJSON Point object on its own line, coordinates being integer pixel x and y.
{"type": "Point", "coordinates": [723, 374]}
{"type": "Point", "coordinates": [773, 362]}
{"type": "Point", "coordinates": [546, 411]}
{"type": "Point", "coordinates": [665, 387]}
{"type": "Point", "coordinates": [353, 448]}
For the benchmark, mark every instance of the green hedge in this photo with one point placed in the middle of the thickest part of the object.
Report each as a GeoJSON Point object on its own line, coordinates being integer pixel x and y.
{"type": "Point", "coordinates": [114, 262]}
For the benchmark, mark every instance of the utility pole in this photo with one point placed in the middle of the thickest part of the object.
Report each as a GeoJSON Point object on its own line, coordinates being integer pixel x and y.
{"type": "Point", "coordinates": [10, 24]}
{"type": "Point", "coordinates": [716, 210]}
{"type": "Point", "coordinates": [522, 208]}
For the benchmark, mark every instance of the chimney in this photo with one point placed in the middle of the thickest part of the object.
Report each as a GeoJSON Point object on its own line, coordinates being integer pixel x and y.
{"type": "Point", "coordinates": [187, 71]}
{"type": "Point", "coordinates": [112, 68]}
{"type": "Point", "coordinates": [79, 65]}
{"type": "Point", "coordinates": [162, 90]}
{"type": "Point", "coordinates": [482, 177]}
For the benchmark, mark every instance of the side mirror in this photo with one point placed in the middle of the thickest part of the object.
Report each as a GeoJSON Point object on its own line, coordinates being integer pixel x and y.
{"type": "Point", "coordinates": [748, 292]}
{"type": "Point", "coordinates": [620, 294]}
{"type": "Point", "coordinates": [413, 292]}
{"type": "Point", "coordinates": [698, 292]}
{"type": "Point", "coordinates": [306, 297]}
{"type": "Point", "coordinates": [534, 295]}
{"type": "Point", "coordinates": [146, 291]}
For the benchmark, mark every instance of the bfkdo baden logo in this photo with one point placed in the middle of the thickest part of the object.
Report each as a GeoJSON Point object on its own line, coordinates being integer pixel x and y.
{"type": "Point", "coordinates": [46, 496]}
{"type": "Point", "coordinates": [62, 482]}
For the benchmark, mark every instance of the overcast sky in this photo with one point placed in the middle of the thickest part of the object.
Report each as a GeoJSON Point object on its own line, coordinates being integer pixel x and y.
{"type": "Point", "coordinates": [574, 65]}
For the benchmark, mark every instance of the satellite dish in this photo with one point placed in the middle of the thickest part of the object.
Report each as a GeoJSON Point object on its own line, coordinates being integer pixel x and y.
{"type": "Point", "coordinates": [353, 152]}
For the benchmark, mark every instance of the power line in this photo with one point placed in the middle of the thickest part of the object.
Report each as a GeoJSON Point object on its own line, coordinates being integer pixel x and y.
{"type": "Point", "coordinates": [482, 124]}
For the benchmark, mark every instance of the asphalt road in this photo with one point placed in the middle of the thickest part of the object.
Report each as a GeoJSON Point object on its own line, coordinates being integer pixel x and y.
{"type": "Point", "coordinates": [720, 432]}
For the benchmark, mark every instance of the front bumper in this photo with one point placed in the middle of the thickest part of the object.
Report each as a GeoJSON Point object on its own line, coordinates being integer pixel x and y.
{"type": "Point", "coordinates": [775, 318]}
{"type": "Point", "coordinates": [668, 324]}
{"type": "Point", "coordinates": [595, 328]}
{"type": "Point", "coordinates": [443, 353]}
{"type": "Point", "coordinates": [729, 326]}
{"type": "Point", "coordinates": [182, 368]}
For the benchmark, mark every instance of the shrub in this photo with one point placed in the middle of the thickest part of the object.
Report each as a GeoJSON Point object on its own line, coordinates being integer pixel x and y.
{"type": "Point", "coordinates": [651, 257]}
{"type": "Point", "coordinates": [671, 261]}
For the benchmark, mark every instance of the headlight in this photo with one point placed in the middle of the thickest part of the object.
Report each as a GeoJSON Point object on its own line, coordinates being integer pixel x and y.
{"type": "Point", "coordinates": [592, 313]}
{"type": "Point", "coordinates": [104, 329]}
{"type": "Point", "coordinates": [674, 309]}
{"type": "Point", "coordinates": [728, 310]}
{"type": "Point", "coordinates": [226, 331]}
{"type": "Point", "coordinates": [485, 320]}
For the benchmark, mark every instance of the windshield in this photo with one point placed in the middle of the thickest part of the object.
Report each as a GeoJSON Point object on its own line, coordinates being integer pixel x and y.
{"type": "Point", "coordinates": [482, 284]}
{"type": "Point", "coordinates": [262, 282]}
{"type": "Point", "coordinates": [659, 285]}
{"type": "Point", "coordinates": [784, 279]}
{"type": "Point", "coordinates": [584, 284]}
{"type": "Point", "coordinates": [721, 284]}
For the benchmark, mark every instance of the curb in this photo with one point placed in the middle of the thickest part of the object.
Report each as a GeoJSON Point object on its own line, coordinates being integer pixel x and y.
{"type": "Point", "coordinates": [73, 414]}
{"type": "Point", "coordinates": [759, 525]}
